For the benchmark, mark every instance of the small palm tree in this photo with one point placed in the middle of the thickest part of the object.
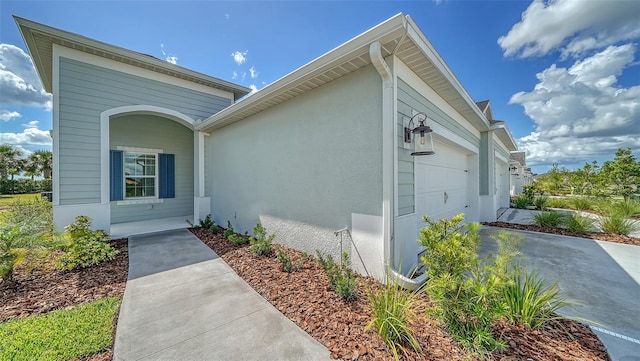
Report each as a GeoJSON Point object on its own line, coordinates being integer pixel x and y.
{"type": "Point", "coordinates": [42, 160]}
{"type": "Point", "coordinates": [10, 161]}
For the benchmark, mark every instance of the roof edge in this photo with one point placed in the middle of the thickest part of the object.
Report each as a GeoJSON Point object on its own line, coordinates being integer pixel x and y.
{"type": "Point", "coordinates": [310, 69]}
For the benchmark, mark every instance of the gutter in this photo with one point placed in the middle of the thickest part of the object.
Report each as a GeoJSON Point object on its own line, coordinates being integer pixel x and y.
{"type": "Point", "coordinates": [388, 110]}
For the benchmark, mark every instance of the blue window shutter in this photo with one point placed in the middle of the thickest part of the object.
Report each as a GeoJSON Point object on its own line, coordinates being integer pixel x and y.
{"type": "Point", "coordinates": [167, 175]}
{"type": "Point", "coordinates": [116, 193]}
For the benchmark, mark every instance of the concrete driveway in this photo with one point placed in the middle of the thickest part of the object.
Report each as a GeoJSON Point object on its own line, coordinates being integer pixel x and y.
{"type": "Point", "coordinates": [603, 277]}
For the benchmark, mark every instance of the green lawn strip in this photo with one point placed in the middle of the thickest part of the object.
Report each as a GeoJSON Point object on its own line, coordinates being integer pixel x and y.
{"type": "Point", "coordinates": [62, 334]}
{"type": "Point", "coordinates": [7, 199]}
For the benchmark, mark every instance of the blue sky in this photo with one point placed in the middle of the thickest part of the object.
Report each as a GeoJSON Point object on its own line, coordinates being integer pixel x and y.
{"type": "Point", "coordinates": [564, 74]}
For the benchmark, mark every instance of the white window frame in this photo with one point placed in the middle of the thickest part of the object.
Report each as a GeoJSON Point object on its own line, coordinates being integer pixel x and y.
{"type": "Point", "coordinates": [140, 200]}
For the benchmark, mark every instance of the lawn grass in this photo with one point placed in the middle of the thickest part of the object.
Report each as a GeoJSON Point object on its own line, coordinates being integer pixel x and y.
{"type": "Point", "coordinates": [60, 335]}
{"type": "Point", "coordinates": [7, 199]}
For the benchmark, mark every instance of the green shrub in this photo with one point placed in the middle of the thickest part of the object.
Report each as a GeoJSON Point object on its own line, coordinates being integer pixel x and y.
{"type": "Point", "coordinates": [549, 219]}
{"type": "Point", "coordinates": [239, 239]}
{"type": "Point", "coordinates": [341, 278]}
{"type": "Point", "coordinates": [465, 291]}
{"type": "Point", "coordinates": [390, 315]}
{"type": "Point", "coordinates": [207, 222]}
{"type": "Point", "coordinates": [529, 301]}
{"type": "Point", "coordinates": [84, 247]}
{"type": "Point", "coordinates": [229, 231]}
{"type": "Point", "coordinates": [579, 224]}
{"type": "Point", "coordinates": [287, 264]}
{"type": "Point", "coordinates": [540, 203]}
{"type": "Point", "coordinates": [521, 201]}
{"type": "Point", "coordinates": [261, 243]}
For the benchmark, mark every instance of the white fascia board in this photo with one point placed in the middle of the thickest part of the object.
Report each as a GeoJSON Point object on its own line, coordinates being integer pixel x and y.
{"type": "Point", "coordinates": [408, 76]}
{"type": "Point", "coordinates": [62, 51]}
{"type": "Point", "coordinates": [505, 135]}
{"type": "Point", "coordinates": [429, 51]}
{"type": "Point", "coordinates": [357, 45]}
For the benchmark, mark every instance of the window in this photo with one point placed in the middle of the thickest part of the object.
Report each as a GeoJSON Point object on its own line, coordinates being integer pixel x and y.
{"type": "Point", "coordinates": [140, 175]}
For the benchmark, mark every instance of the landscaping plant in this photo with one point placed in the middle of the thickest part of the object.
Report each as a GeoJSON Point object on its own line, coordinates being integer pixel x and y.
{"type": "Point", "coordinates": [238, 239]}
{"type": "Point", "coordinates": [33, 216]}
{"type": "Point", "coordinates": [209, 223]}
{"type": "Point", "coordinates": [287, 264]}
{"type": "Point", "coordinates": [581, 203]}
{"type": "Point", "coordinates": [521, 201]}
{"type": "Point", "coordinates": [229, 231]}
{"type": "Point", "coordinates": [530, 301]}
{"type": "Point", "coordinates": [466, 292]}
{"type": "Point", "coordinates": [617, 223]}
{"type": "Point", "coordinates": [26, 229]}
{"type": "Point", "coordinates": [84, 247]}
{"type": "Point", "coordinates": [261, 243]}
{"type": "Point", "coordinates": [549, 219]}
{"type": "Point", "coordinates": [579, 224]}
{"type": "Point", "coordinates": [557, 202]}
{"type": "Point", "coordinates": [540, 202]}
{"type": "Point", "coordinates": [390, 315]}
{"type": "Point", "coordinates": [341, 278]}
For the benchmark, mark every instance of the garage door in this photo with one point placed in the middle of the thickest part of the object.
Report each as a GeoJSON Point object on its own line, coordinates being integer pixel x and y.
{"type": "Point", "coordinates": [442, 184]}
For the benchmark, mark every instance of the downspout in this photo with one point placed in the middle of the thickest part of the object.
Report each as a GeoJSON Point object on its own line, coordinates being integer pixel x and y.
{"type": "Point", "coordinates": [388, 109]}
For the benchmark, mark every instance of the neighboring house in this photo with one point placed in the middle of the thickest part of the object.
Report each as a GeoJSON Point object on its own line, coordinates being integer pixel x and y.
{"type": "Point", "coordinates": [520, 174]}
{"type": "Point", "coordinates": [319, 157]}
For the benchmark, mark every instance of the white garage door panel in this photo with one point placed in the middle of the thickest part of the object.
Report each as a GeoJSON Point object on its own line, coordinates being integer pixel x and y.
{"type": "Point", "coordinates": [441, 184]}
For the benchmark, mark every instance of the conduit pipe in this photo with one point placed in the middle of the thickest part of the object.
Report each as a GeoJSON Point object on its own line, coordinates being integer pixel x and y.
{"type": "Point", "coordinates": [388, 109]}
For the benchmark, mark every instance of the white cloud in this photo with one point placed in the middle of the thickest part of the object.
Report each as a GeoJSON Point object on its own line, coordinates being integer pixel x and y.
{"type": "Point", "coordinates": [240, 57]}
{"type": "Point", "coordinates": [253, 88]}
{"type": "Point", "coordinates": [31, 135]}
{"type": "Point", "coordinates": [227, 16]}
{"type": "Point", "coordinates": [572, 26]}
{"type": "Point", "coordinates": [234, 75]}
{"type": "Point", "coordinates": [6, 115]}
{"type": "Point", "coordinates": [580, 111]}
{"type": "Point", "coordinates": [170, 58]}
{"type": "Point", "coordinates": [254, 73]}
{"type": "Point", "coordinates": [19, 83]}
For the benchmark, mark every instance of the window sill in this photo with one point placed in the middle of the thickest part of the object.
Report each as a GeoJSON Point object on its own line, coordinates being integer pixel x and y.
{"type": "Point", "coordinates": [140, 201]}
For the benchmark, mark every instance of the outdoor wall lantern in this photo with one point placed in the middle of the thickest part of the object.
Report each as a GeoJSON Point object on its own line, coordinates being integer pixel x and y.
{"type": "Point", "coordinates": [424, 143]}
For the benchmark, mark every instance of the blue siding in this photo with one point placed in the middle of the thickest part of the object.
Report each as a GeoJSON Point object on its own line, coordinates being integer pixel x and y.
{"type": "Point", "coordinates": [85, 91]}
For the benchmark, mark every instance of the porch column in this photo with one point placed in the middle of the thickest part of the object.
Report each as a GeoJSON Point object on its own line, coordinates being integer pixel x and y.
{"type": "Point", "coordinates": [201, 204]}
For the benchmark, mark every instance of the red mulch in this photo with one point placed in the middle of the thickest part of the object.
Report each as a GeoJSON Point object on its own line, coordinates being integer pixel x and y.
{"type": "Point", "coordinates": [306, 298]}
{"type": "Point", "coordinates": [42, 291]}
{"type": "Point", "coordinates": [594, 235]}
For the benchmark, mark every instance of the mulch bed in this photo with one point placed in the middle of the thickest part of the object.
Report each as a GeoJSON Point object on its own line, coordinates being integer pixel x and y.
{"type": "Point", "coordinates": [305, 297]}
{"type": "Point", "coordinates": [42, 291]}
{"type": "Point", "coordinates": [594, 235]}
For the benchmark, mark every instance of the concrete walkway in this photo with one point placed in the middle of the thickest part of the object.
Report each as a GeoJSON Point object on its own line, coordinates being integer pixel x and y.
{"type": "Point", "coordinates": [183, 302]}
{"type": "Point", "coordinates": [602, 277]}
